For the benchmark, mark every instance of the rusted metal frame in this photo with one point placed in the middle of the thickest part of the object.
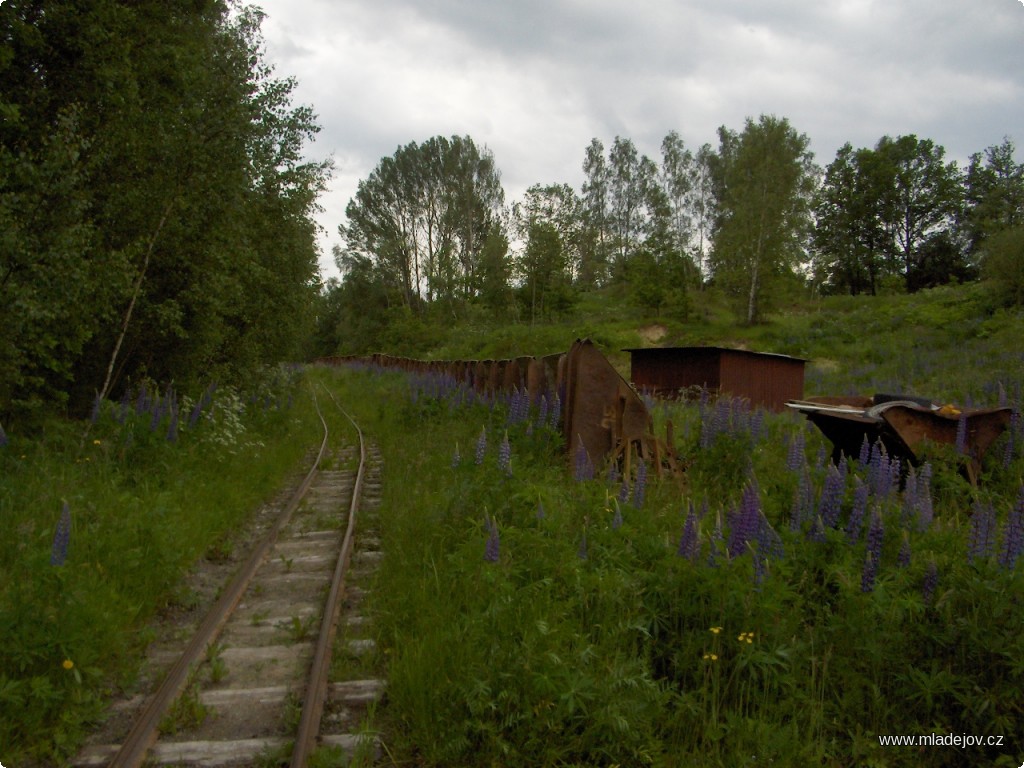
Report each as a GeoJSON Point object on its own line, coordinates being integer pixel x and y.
{"type": "Point", "coordinates": [144, 732]}
{"type": "Point", "coordinates": [316, 691]}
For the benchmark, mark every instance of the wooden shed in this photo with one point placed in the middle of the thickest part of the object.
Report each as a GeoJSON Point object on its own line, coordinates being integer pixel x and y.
{"type": "Point", "coordinates": [766, 380]}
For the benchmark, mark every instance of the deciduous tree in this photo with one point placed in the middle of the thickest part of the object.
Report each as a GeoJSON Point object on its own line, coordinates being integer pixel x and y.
{"type": "Point", "coordinates": [764, 181]}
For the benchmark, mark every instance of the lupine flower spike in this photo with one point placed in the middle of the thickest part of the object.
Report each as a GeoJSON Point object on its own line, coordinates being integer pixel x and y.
{"type": "Point", "coordinates": [641, 485]}
{"type": "Point", "coordinates": [492, 552]}
{"type": "Point", "coordinates": [481, 446]}
{"type": "Point", "coordinates": [505, 456]}
{"type": "Point", "coordinates": [931, 581]}
{"type": "Point", "coordinates": [981, 533]}
{"type": "Point", "coordinates": [59, 551]}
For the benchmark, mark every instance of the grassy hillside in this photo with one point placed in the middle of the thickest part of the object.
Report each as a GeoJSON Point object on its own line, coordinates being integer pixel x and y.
{"type": "Point", "coordinates": [952, 343]}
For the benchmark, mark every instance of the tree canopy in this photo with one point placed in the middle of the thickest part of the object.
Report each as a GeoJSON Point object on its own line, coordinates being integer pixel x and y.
{"type": "Point", "coordinates": [423, 218]}
{"type": "Point", "coordinates": [155, 204]}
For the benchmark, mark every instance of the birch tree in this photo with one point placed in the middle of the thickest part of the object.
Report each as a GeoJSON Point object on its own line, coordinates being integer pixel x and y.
{"type": "Point", "coordinates": [764, 180]}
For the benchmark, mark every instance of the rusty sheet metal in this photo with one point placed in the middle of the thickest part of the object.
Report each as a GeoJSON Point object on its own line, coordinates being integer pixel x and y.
{"type": "Point", "coordinates": [904, 426]}
{"type": "Point", "coordinates": [599, 407]}
{"type": "Point", "coordinates": [604, 413]}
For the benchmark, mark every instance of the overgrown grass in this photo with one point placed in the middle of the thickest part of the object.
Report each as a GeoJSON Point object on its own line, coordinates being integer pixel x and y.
{"type": "Point", "coordinates": [769, 613]}
{"type": "Point", "coordinates": [148, 488]}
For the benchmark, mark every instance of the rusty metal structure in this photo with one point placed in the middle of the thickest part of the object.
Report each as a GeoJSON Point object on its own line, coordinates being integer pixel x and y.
{"type": "Point", "coordinates": [905, 426]}
{"type": "Point", "coordinates": [765, 380]}
{"type": "Point", "coordinates": [600, 410]}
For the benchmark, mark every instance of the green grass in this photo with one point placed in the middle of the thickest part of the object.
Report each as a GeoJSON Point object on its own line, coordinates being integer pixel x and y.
{"type": "Point", "coordinates": [549, 658]}
{"type": "Point", "coordinates": [143, 509]}
{"type": "Point", "coordinates": [544, 657]}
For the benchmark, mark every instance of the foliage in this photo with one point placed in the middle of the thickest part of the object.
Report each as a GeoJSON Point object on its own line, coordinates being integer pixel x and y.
{"type": "Point", "coordinates": [106, 522]}
{"type": "Point", "coordinates": [155, 204]}
{"type": "Point", "coordinates": [764, 182]}
{"type": "Point", "coordinates": [423, 217]}
{"type": "Point", "coordinates": [893, 211]}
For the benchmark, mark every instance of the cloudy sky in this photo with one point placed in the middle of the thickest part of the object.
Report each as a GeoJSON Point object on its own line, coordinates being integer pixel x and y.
{"type": "Point", "coordinates": [536, 80]}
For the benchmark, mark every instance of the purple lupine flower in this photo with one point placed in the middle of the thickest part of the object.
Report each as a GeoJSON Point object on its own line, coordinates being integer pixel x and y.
{"type": "Point", "coordinates": [795, 458]}
{"type": "Point", "coordinates": [819, 462]}
{"type": "Point", "coordinates": [505, 456]}
{"type": "Point", "coordinates": [193, 415]}
{"type": "Point", "coordinates": [873, 553]}
{"type": "Point", "coordinates": [172, 426]}
{"type": "Point", "coordinates": [456, 458]}
{"type": "Point", "coordinates": [831, 503]}
{"type": "Point", "coordinates": [157, 413]}
{"type": "Point", "coordinates": [869, 573]}
{"type": "Point", "coordinates": [556, 411]}
{"type": "Point", "coordinates": [910, 497]}
{"type": "Point", "coordinates": [581, 553]}
{"type": "Point", "coordinates": [640, 488]}
{"type": "Point", "coordinates": [982, 533]}
{"type": "Point", "coordinates": [961, 434]}
{"type": "Point", "coordinates": [142, 401]}
{"type": "Point", "coordinates": [624, 492]}
{"type": "Point", "coordinates": [492, 551]}
{"type": "Point", "coordinates": [715, 550]}
{"type": "Point", "coordinates": [816, 532]}
{"type": "Point", "coordinates": [864, 458]}
{"type": "Point", "coordinates": [4, 440]}
{"type": "Point", "coordinates": [61, 538]}
{"type": "Point", "coordinates": [542, 412]}
{"type": "Point", "coordinates": [540, 510]}
{"type": "Point", "coordinates": [803, 502]}
{"type": "Point", "coordinates": [903, 557]}
{"type": "Point", "coordinates": [689, 542]}
{"type": "Point", "coordinates": [583, 468]}
{"type": "Point", "coordinates": [861, 492]}
{"type": "Point", "coordinates": [769, 543]}
{"type": "Point", "coordinates": [925, 511]}
{"type": "Point", "coordinates": [1013, 535]}
{"type": "Point", "coordinates": [760, 569]}
{"type": "Point", "coordinates": [745, 522]}
{"type": "Point", "coordinates": [757, 429]}
{"type": "Point", "coordinates": [481, 446]}
{"type": "Point", "coordinates": [617, 518]}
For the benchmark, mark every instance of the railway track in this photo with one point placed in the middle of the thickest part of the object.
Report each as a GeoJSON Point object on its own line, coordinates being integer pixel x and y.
{"type": "Point", "coordinates": [251, 686]}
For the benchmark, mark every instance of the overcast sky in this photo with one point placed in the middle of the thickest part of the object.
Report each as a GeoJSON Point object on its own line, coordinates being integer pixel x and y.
{"type": "Point", "coordinates": [536, 80]}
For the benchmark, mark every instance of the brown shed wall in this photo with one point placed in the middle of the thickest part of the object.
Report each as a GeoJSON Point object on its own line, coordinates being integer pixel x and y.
{"type": "Point", "coordinates": [766, 380]}
{"type": "Point", "coordinates": [666, 371]}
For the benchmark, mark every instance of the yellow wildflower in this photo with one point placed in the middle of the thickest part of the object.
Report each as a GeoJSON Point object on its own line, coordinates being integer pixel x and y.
{"type": "Point", "coordinates": [715, 630]}
{"type": "Point", "coordinates": [710, 657]}
{"type": "Point", "coordinates": [97, 442]}
{"type": "Point", "coordinates": [68, 664]}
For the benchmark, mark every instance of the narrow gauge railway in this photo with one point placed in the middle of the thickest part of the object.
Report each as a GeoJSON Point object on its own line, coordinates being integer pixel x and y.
{"type": "Point", "coordinates": [252, 683]}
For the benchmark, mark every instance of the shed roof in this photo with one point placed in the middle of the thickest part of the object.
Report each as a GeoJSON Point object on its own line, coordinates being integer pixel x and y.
{"type": "Point", "coordinates": [715, 349]}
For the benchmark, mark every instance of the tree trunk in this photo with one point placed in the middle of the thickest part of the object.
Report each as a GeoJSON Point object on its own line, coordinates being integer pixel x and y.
{"type": "Point", "coordinates": [136, 290]}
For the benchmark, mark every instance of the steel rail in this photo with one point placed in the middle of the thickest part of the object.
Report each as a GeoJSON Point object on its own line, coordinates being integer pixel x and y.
{"type": "Point", "coordinates": [144, 732]}
{"type": "Point", "coordinates": [316, 690]}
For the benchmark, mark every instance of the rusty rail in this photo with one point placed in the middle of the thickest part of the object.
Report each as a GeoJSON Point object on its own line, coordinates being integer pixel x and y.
{"type": "Point", "coordinates": [144, 732]}
{"type": "Point", "coordinates": [316, 690]}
